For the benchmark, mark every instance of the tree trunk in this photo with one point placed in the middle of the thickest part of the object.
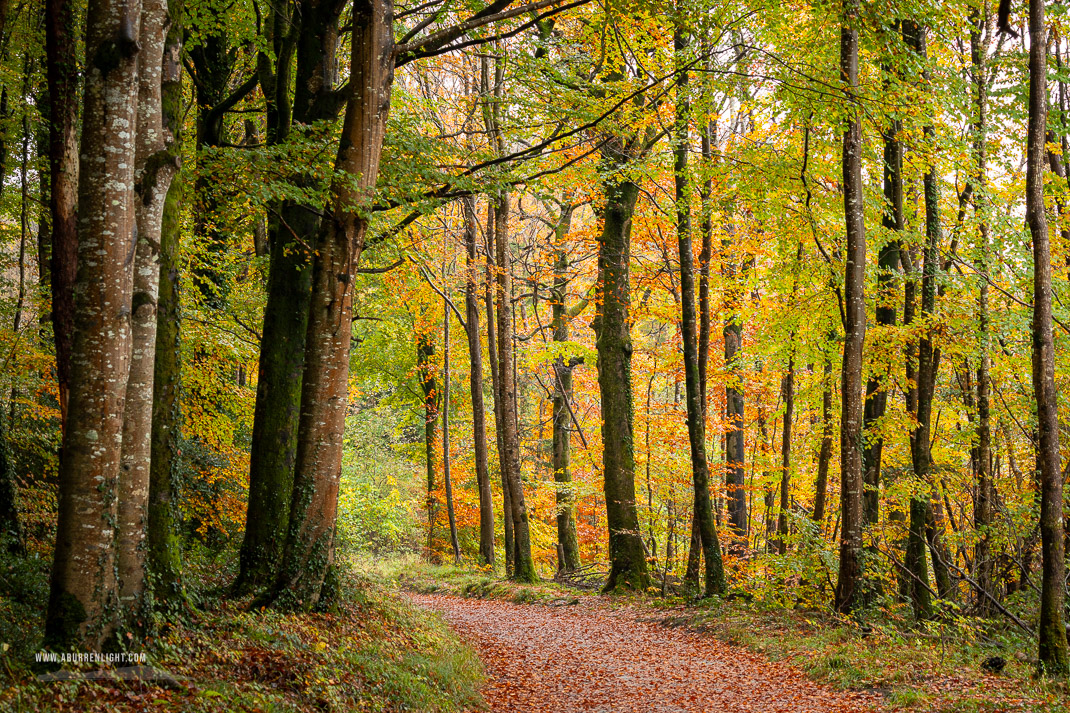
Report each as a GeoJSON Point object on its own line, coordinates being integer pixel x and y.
{"type": "Point", "coordinates": [309, 551]}
{"type": "Point", "coordinates": [81, 605]}
{"type": "Point", "coordinates": [824, 456]}
{"type": "Point", "coordinates": [492, 356]}
{"type": "Point", "coordinates": [696, 415]}
{"type": "Point", "coordinates": [850, 574]}
{"type": "Point", "coordinates": [983, 502]}
{"type": "Point", "coordinates": [736, 493]}
{"type": "Point", "coordinates": [61, 40]}
{"type": "Point", "coordinates": [156, 162]}
{"type": "Point", "coordinates": [479, 417]}
{"type": "Point", "coordinates": [292, 233]}
{"type": "Point", "coordinates": [447, 481]}
{"type": "Point", "coordinates": [892, 219]}
{"type": "Point", "coordinates": [788, 388]}
{"type": "Point", "coordinates": [509, 458]}
{"type": "Point", "coordinates": [567, 539]}
{"type": "Point", "coordinates": [425, 352]}
{"type": "Point", "coordinates": [628, 569]}
{"type": "Point", "coordinates": [928, 368]}
{"type": "Point", "coordinates": [1052, 644]}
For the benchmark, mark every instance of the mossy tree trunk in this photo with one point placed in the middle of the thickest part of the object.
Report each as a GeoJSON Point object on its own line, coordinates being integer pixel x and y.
{"type": "Point", "coordinates": [290, 236]}
{"type": "Point", "coordinates": [628, 567]}
{"type": "Point", "coordinates": [309, 550]}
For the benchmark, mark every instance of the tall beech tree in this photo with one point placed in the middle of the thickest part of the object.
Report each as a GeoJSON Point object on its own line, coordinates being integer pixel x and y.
{"type": "Point", "coordinates": [848, 584]}
{"type": "Point", "coordinates": [82, 596]}
{"type": "Point", "coordinates": [628, 567]}
{"type": "Point", "coordinates": [313, 37]}
{"type": "Point", "coordinates": [1052, 645]}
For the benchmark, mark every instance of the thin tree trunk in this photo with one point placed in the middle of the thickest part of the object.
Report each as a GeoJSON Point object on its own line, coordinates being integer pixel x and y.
{"type": "Point", "coordinates": [696, 415]}
{"type": "Point", "coordinates": [985, 491]}
{"type": "Point", "coordinates": [567, 539]}
{"type": "Point", "coordinates": [309, 551]}
{"type": "Point", "coordinates": [479, 416]}
{"type": "Point", "coordinates": [736, 493]}
{"type": "Point", "coordinates": [492, 356]}
{"type": "Point", "coordinates": [850, 575]}
{"type": "Point", "coordinates": [447, 481]}
{"type": "Point", "coordinates": [788, 388]}
{"type": "Point", "coordinates": [824, 456]}
{"type": "Point", "coordinates": [876, 406]}
{"type": "Point", "coordinates": [81, 606]}
{"type": "Point", "coordinates": [425, 352]}
{"type": "Point", "coordinates": [523, 564]}
{"type": "Point", "coordinates": [155, 166]}
{"type": "Point", "coordinates": [1052, 643]}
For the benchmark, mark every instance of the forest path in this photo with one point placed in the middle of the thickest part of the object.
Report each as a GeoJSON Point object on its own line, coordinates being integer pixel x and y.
{"type": "Point", "coordinates": [593, 658]}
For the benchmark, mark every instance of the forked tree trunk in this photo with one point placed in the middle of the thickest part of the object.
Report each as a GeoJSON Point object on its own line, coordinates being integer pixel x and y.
{"type": "Point", "coordinates": [1052, 644]}
{"type": "Point", "coordinates": [887, 265]}
{"type": "Point", "coordinates": [479, 411]}
{"type": "Point", "coordinates": [155, 165]}
{"type": "Point", "coordinates": [696, 414]}
{"type": "Point", "coordinates": [291, 236]}
{"type": "Point", "coordinates": [309, 551]}
{"type": "Point", "coordinates": [81, 607]}
{"type": "Point", "coordinates": [61, 33]}
{"type": "Point", "coordinates": [850, 575]}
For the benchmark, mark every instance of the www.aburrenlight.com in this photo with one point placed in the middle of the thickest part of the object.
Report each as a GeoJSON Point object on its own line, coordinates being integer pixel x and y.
{"type": "Point", "coordinates": [119, 657]}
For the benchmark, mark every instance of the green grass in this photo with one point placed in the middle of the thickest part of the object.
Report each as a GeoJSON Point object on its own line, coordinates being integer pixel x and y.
{"type": "Point", "coordinates": [372, 651]}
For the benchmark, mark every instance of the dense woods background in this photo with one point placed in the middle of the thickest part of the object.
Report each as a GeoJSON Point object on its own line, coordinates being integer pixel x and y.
{"type": "Point", "coordinates": [761, 300]}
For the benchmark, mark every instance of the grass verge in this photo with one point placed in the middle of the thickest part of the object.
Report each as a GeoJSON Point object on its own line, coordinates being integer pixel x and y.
{"type": "Point", "coordinates": [371, 651]}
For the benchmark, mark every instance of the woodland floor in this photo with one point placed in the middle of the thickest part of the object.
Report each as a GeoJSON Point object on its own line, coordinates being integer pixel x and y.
{"type": "Point", "coordinates": [585, 655]}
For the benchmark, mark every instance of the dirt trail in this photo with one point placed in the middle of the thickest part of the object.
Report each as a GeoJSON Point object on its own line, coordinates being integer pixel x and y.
{"type": "Point", "coordinates": [587, 657]}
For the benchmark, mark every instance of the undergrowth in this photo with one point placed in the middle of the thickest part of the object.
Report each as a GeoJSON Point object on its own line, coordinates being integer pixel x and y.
{"type": "Point", "coordinates": [369, 651]}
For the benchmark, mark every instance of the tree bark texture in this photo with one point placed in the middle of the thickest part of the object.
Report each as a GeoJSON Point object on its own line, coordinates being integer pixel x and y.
{"type": "Point", "coordinates": [61, 35]}
{"type": "Point", "coordinates": [83, 589]}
